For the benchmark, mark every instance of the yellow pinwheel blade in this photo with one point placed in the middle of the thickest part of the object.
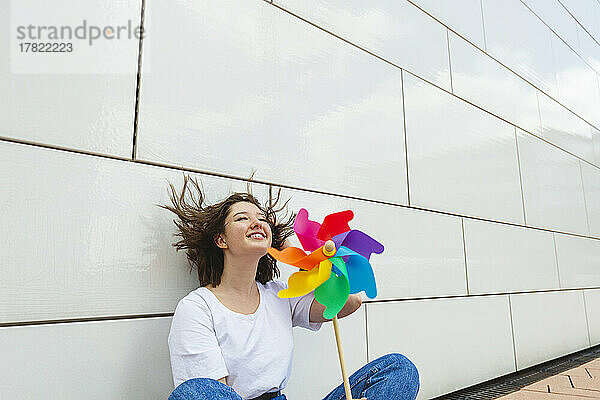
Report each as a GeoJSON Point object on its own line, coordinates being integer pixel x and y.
{"type": "Point", "coordinates": [303, 282]}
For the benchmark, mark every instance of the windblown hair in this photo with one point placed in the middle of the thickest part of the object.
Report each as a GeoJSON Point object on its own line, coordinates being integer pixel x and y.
{"type": "Point", "coordinates": [198, 224]}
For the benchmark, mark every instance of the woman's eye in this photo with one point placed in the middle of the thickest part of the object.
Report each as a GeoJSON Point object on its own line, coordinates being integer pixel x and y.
{"type": "Point", "coordinates": [241, 218]}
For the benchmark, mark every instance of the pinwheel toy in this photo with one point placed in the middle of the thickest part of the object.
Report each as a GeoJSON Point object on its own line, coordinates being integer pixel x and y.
{"type": "Point", "coordinates": [337, 265]}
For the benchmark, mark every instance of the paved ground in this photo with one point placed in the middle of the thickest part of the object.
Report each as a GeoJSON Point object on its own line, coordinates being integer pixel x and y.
{"type": "Point", "coordinates": [574, 376]}
{"type": "Point", "coordinates": [581, 382]}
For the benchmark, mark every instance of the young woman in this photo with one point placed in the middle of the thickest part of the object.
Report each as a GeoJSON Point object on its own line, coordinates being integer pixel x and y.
{"type": "Point", "coordinates": [231, 339]}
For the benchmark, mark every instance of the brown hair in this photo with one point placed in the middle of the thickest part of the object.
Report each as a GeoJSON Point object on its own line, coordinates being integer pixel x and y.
{"type": "Point", "coordinates": [198, 224]}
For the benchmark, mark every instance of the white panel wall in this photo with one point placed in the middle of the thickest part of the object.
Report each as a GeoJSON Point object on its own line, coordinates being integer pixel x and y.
{"type": "Point", "coordinates": [596, 140]}
{"type": "Point", "coordinates": [465, 138]}
{"type": "Point", "coordinates": [589, 49]}
{"type": "Point", "coordinates": [89, 240]}
{"type": "Point", "coordinates": [556, 17]}
{"type": "Point", "coordinates": [504, 258]}
{"type": "Point", "coordinates": [578, 261]}
{"type": "Point", "coordinates": [526, 46]}
{"type": "Point", "coordinates": [548, 325]}
{"type": "Point", "coordinates": [290, 80]}
{"type": "Point", "coordinates": [591, 188]}
{"type": "Point", "coordinates": [91, 112]}
{"type": "Point", "coordinates": [587, 13]}
{"type": "Point", "coordinates": [531, 49]}
{"type": "Point", "coordinates": [481, 80]}
{"type": "Point", "coordinates": [460, 159]}
{"type": "Point", "coordinates": [576, 82]}
{"type": "Point", "coordinates": [394, 30]}
{"type": "Point", "coordinates": [452, 342]}
{"type": "Point", "coordinates": [552, 186]}
{"type": "Point", "coordinates": [462, 16]}
{"type": "Point", "coordinates": [126, 359]}
{"type": "Point", "coordinates": [592, 304]}
{"type": "Point", "coordinates": [565, 129]}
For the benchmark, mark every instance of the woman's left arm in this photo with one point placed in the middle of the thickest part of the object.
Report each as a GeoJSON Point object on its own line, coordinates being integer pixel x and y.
{"type": "Point", "coordinates": [352, 304]}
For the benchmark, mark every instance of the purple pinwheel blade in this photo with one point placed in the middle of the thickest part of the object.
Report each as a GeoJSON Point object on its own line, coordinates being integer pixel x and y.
{"type": "Point", "coordinates": [339, 239]}
{"type": "Point", "coordinates": [358, 241]}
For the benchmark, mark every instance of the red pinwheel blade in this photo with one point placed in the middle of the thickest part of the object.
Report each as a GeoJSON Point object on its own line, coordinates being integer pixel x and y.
{"type": "Point", "coordinates": [334, 224]}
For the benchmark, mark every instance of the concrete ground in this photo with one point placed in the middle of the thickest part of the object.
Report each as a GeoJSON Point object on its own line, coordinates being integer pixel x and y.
{"type": "Point", "coordinates": [582, 382]}
{"type": "Point", "coordinates": [574, 376]}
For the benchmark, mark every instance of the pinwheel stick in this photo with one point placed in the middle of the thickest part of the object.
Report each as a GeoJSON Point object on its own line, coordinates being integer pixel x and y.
{"type": "Point", "coordinates": [338, 341]}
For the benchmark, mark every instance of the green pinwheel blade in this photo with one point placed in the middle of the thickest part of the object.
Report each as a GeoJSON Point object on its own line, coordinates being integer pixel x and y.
{"type": "Point", "coordinates": [340, 264]}
{"type": "Point", "coordinates": [333, 294]}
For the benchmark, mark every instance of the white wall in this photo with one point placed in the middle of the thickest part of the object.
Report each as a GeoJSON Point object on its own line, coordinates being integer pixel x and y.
{"type": "Point", "coordinates": [466, 138]}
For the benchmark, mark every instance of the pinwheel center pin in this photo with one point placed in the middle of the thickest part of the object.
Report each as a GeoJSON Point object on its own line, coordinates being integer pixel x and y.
{"type": "Point", "coordinates": [329, 248]}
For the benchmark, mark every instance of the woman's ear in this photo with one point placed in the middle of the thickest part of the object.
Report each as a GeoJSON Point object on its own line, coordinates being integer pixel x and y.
{"type": "Point", "coordinates": [220, 242]}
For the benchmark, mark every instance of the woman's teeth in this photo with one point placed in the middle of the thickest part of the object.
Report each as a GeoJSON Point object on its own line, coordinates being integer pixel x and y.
{"type": "Point", "coordinates": [257, 236]}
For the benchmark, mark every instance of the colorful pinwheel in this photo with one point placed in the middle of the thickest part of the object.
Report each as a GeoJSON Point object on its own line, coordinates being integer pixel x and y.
{"type": "Point", "coordinates": [338, 262]}
{"type": "Point", "coordinates": [337, 265]}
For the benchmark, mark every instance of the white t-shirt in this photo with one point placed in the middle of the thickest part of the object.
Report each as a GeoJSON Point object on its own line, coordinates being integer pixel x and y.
{"type": "Point", "coordinates": [254, 351]}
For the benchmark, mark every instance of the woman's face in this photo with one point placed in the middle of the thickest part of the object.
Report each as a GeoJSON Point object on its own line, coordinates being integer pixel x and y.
{"type": "Point", "coordinates": [246, 230]}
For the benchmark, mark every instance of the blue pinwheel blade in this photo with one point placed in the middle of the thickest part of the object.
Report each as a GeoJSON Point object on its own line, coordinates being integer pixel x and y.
{"type": "Point", "coordinates": [344, 251]}
{"type": "Point", "coordinates": [360, 276]}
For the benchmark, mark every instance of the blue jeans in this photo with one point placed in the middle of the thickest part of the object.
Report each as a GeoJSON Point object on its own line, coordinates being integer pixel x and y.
{"type": "Point", "coordinates": [390, 377]}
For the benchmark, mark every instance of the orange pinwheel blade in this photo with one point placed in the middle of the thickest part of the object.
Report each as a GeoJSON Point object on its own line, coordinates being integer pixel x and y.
{"type": "Point", "coordinates": [297, 257]}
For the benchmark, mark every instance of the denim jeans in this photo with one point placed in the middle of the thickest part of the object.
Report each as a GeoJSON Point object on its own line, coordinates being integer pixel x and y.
{"type": "Point", "coordinates": [390, 377]}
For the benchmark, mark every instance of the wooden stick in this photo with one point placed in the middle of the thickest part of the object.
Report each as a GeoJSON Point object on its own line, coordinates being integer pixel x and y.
{"type": "Point", "coordinates": [338, 341]}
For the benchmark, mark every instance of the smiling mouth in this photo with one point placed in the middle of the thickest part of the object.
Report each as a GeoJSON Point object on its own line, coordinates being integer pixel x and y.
{"type": "Point", "coordinates": [257, 236]}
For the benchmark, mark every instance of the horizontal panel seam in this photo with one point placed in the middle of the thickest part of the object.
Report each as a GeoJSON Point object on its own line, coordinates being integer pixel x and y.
{"type": "Point", "coordinates": [368, 301]}
{"type": "Point", "coordinates": [496, 294]}
{"type": "Point", "coordinates": [283, 186]}
{"type": "Point", "coordinates": [83, 319]}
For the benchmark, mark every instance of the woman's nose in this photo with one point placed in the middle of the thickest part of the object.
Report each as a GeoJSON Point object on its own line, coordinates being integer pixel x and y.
{"type": "Point", "coordinates": [254, 223]}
